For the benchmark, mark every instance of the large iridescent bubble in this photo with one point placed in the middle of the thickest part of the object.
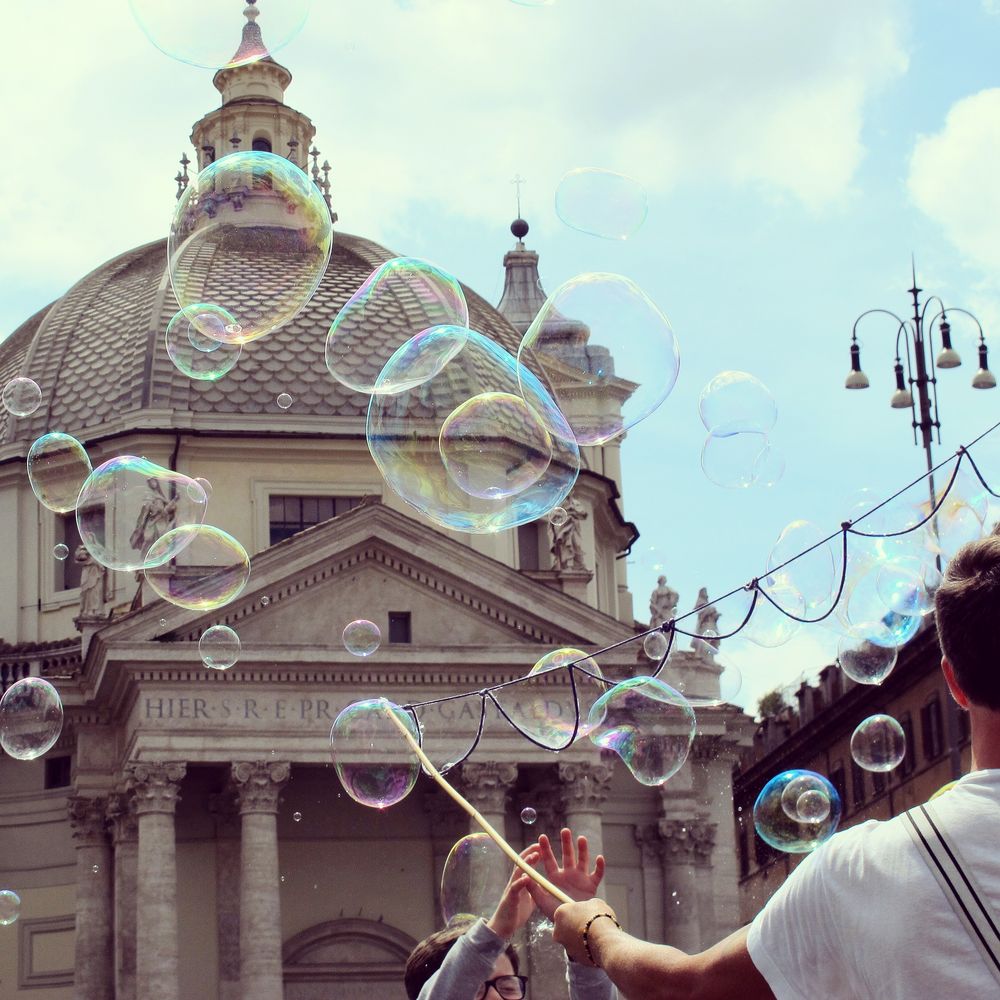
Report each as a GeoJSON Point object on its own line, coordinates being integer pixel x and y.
{"type": "Point", "coordinates": [601, 202]}
{"type": "Point", "coordinates": [542, 706]}
{"type": "Point", "coordinates": [812, 569]}
{"type": "Point", "coordinates": [21, 396]}
{"type": "Point", "coordinates": [58, 466]}
{"type": "Point", "coordinates": [800, 822]}
{"type": "Point", "coordinates": [607, 352]}
{"type": "Point", "coordinates": [127, 503]}
{"type": "Point", "coordinates": [400, 299]}
{"type": "Point", "coordinates": [862, 658]}
{"type": "Point", "coordinates": [878, 743]}
{"type": "Point", "coordinates": [252, 235]}
{"type": "Point", "coordinates": [196, 353]}
{"type": "Point", "coordinates": [648, 724]}
{"type": "Point", "coordinates": [219, 647]}
{"type": "Point", "coordinates": [198, 567]}
{"type": "Point", "coordinates": [373, 761]}
{"type": "Point", "coordinates": [31, 718]}
{"type": "Point", "coordinates": [204, 34]}
{"type": "Point", "coordinates": [472, 879]}
{"type": "Point", "coordinates": [404, 432]}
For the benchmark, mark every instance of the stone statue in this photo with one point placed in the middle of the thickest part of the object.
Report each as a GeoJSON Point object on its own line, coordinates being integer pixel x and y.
{"type": "Point", "coordinates": [92, 583]}
{"type": "Point", "coordinates": [567, 543]}
{"type": "Point", "coordinates": [662, 602]}
{"type": "Point", "coordinates": [708, 621]}
{"type": "Point", "coordinates": [155, 518]}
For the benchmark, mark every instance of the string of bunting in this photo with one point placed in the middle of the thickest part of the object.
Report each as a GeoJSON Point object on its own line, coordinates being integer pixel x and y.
{"type": "Point", "coordinates": [670, 629]}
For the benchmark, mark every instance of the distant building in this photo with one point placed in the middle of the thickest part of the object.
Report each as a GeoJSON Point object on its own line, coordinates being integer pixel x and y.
{"type": "Point", "coordinates": [815, 733]}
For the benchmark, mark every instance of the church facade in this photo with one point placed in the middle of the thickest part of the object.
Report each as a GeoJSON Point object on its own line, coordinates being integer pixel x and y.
{"type": "Point", "coordinates": [187, 837]}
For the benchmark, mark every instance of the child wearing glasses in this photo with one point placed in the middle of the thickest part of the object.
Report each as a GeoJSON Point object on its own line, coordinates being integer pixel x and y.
{"type": "Point", "coordinates": [477, 962]}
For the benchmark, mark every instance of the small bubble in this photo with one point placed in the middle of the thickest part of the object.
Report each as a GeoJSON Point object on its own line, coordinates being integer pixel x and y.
{"type": "Point", "coordinates": [297, 816]}
{"type": "Point", "coordinates": [163, 623]}
{"type": "Point", "coordinates": [284, 401]}
{"type": "Point", "coordinates": [265, 601]}
{"type": "Point", "coordinates": [528, 815]}
{"type": "Point", "coordinates": [60, 552]}
{"type": "Point", "coordinates": [96, 869]}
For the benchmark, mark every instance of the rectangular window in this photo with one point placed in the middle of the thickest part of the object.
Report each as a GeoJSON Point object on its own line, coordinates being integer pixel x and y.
{"type": "Point", "coordinates": [68, 570]}
{"type": "Point", "coordinates": [878, 780]}
{"type": "Point", "coordinates": [288, 515]}
{"type": "Point", "coordinates": [399, 626]}
{"type": "Point", "coordinates": [57, 771]}
{"type": "Point", "coordinates": [838, 781]}
{"type": "Point", "coordinates": [527, 546]}
{"type": "Point", "coordinates": [857, 785]}
{"type": "Point", "coordinates": [741, 840]}
{"type": "Point", "coordinates": [906, 765]}
{"type": "Point", "coordinates": [932, 729]}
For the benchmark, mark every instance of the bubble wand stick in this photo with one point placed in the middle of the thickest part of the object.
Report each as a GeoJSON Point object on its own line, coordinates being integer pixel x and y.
{"type": "Point", "coordinates": [476, 814]}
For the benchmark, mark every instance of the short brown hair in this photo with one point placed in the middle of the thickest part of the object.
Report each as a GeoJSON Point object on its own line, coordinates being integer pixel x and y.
{"type": "Point", "coordinates": [967, 607]}
{"type": "Point", "coordinates": [427, 956]}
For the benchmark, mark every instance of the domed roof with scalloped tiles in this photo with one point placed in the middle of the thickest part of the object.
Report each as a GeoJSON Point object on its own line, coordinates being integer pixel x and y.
{"type": "Point", "coordinates": [98, 352]}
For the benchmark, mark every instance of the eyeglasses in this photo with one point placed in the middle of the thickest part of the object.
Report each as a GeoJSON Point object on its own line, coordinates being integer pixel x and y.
{"type": "Point", "coordinates": [508, 987]}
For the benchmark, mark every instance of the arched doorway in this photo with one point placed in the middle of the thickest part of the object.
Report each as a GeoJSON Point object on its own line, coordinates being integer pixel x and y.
{"type": "Point", "coordinates": [348, 959]}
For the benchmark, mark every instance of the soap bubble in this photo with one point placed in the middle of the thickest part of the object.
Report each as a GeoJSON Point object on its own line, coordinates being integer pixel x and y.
{"type": "Point", "coordinates": [736, 402]}
{"type": "Point", "coordinates": [769, 626]}
{"type": "Point", "coordinates": [362, 637]}
{"type": "Point", "coordinates": [813, 574]}
{"type": "Point", "coordinates": [864, 660]}
{"type": "Point", "coordinates": [284, 401]}
{"type": "Point", "coordinates": [127, 503]}
{"type": "Point", "coordinates": [805, 799]}
{"type": "Point", "coordinates": [404, 430]}
{"type": "Point", "coordinates": [219, 647]}
{"type": "Point", "coordinates": [252, 235]}
{"type": "Point", "coordinates": [58, 466]}
{"type": "Point", "coordinates": [201, 491]}
{"type": "Point", "coordinates": [528, 815]}
{"type": "Point", "coordinates": [655, 645]}
{"type": "Point", "coordinates": [198, 567]}
{"type": "Point", "coordinates": [10, 907]}
{"type": "Point", "coordinates": [473, 878]}
{"type": "Point", "coordinates": [195, 340]}
{"type": "Point", "coordinates": [813, 806]}
{"type": "Point", "coordinates": [648, 724]}
{"type": "Point", "coordinates": [900, 584]}
{"type": "Point", "coordinates": [373, 761]}
{"type": "Point", "coordinates": [558, 516]}
{"type": "Point", "coordinates": [606, 350]}
{"type": "Point", "coordinates": [399, 300]}
{"type": "Point", "coordinates": [542, 706]}
{"type": "Point", "coordinates": [31, 718]}
{"type": "Point", "coordinates": [297, 817]}
{"type": "Point", "coordinates": [737, 461]}
{"type": "Point", "coordinates": [878, 743]}
{"type": "Point", "coordinates": [21, 396]}
{"type": "Point", "coordinates": [601, 203]}
{"type": "Point", "coordinates": [786, 832]}
{"type": "Point", "coordinates": [494, 445]}
{"type": "Point", "coordinates": [60, 551]}
{"type": "Point", "coordinates": [201, 34]}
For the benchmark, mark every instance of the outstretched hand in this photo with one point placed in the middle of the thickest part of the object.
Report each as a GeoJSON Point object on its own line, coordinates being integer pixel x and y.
{"type": "Point", "coordinates": [515, 905]}
{"type": "Point", "coordinates": [572, 874]}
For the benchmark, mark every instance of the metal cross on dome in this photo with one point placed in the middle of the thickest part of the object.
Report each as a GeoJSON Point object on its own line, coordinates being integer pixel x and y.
{"type": "Point", "coordinates": [517, 181]}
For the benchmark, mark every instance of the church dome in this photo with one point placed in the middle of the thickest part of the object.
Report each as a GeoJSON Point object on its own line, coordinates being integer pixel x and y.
{"type": "Point", "coordinates": [98, 355]}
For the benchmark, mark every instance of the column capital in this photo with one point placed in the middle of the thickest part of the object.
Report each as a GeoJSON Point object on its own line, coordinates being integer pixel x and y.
{"type": "Point", "coordinates": [155, 785]}
{"type": "Point", "coordinates": [122, 817]}
{"type": "Point", "coordinates": [690, 839]}
{"type": "Point", "coordinates": [584, 785]}
{"type": "Point", "coordinates": [259, 783]}
{"type": "Point", "coordinates": [647, 836]}
{"type": "Point", "coordinates": [88, 818]}
{"type": "Point", "coordinates": [487, 784]}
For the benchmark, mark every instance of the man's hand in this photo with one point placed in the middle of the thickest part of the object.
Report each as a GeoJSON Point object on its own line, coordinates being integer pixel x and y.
{"type": "Point", "coordinates": [572, 875]}
{"type": "Point", "coordinates": [515, 905]}
{"type": "Point", "coordinates": [571, 919]}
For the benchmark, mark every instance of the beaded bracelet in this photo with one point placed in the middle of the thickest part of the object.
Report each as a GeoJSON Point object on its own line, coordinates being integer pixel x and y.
{"type": "Point", "coordinates": [586, 929]}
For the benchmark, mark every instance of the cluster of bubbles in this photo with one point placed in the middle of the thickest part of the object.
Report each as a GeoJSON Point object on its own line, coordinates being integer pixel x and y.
{"type": "Point", "coordinates": [797, 811]}
{"type": "Point", "coordinates": [31, 718]}
{"type": "Point", "coordinates": [21, 396]}
{"type": "Point", "coordinates": [739, 412]}
{"type": "Point", "coordinates": [371, 759]}
{"type": "Point", "coordinates": [473, 877]}
{"type": "Point", "coordinates": [362, 637]}
{"type": "Point", "coordinates": [196, 342]}
{"type": "Point", "coordinates": [219, 647]}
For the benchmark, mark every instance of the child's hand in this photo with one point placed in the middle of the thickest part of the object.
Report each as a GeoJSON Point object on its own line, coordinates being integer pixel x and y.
{"type": "Point", "coordinates": [516, 904]}
{"type": "Point", "coordinates": [572, 876]}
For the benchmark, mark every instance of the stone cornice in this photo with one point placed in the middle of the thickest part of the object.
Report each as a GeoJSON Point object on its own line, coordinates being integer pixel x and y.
{"type": "Point", "coordinates": [259, 783]}
{"type": "Point", "coordinates": [155, 785]}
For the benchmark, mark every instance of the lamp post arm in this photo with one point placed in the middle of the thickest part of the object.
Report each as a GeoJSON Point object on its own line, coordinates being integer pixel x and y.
{"type": "Point", "coordinates": [869, 312]}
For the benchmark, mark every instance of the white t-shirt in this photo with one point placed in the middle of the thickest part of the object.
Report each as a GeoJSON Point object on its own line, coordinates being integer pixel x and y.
{"type": "Point", "coordinates": [863, 916]}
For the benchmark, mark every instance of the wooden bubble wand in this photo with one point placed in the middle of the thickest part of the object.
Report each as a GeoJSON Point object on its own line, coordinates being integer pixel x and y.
{"type": "Point", "coordinates": [474, 812]}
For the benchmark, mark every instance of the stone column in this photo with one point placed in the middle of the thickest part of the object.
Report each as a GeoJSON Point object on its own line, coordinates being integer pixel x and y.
{"type": "Point", "coordinates": [681, 921]}
{"type": "Point", "coordinates": [258, 785]}
{"type": "Point", "coordinates": [585, 786]}
{"type": "Point", "coordinates": [125, 835]}
{"type": "Point", "coordinates": [224, 808]}
{"type": "Point", "coordinates": [94, 972]}
{"type": "Point", "coordinates": [155, 787]}
{"type": "Point", "coordinates": [653, 890]}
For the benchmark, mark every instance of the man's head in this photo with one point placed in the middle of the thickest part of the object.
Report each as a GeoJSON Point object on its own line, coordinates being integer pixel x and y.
{"type": "Point", "coordinates": [967, 609]}
{"type": "Point", "coordinates": [426, 958]}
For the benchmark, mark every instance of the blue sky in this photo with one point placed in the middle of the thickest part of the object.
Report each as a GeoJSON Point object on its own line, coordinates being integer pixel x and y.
{"type": "Point", "coordinates": [794, 154]}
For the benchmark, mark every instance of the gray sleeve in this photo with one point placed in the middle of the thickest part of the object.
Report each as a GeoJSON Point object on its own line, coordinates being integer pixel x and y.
{"type": "Point", "coordinates": [466, 966]}
{"type": "Point", "coordinates": [587, 983]}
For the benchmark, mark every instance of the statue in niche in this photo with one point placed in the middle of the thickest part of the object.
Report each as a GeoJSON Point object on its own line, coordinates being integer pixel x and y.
{"type": "Point", "coordinates": [567, 540]}
{"type": "Point", "coordinates": [92, 584]}
{"type": "Point", "coordinates": [662, 602]}
{"type": "Point", "coordinates": [155, 518]}
{"type": "Point", "coordinates": [708, 621]}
